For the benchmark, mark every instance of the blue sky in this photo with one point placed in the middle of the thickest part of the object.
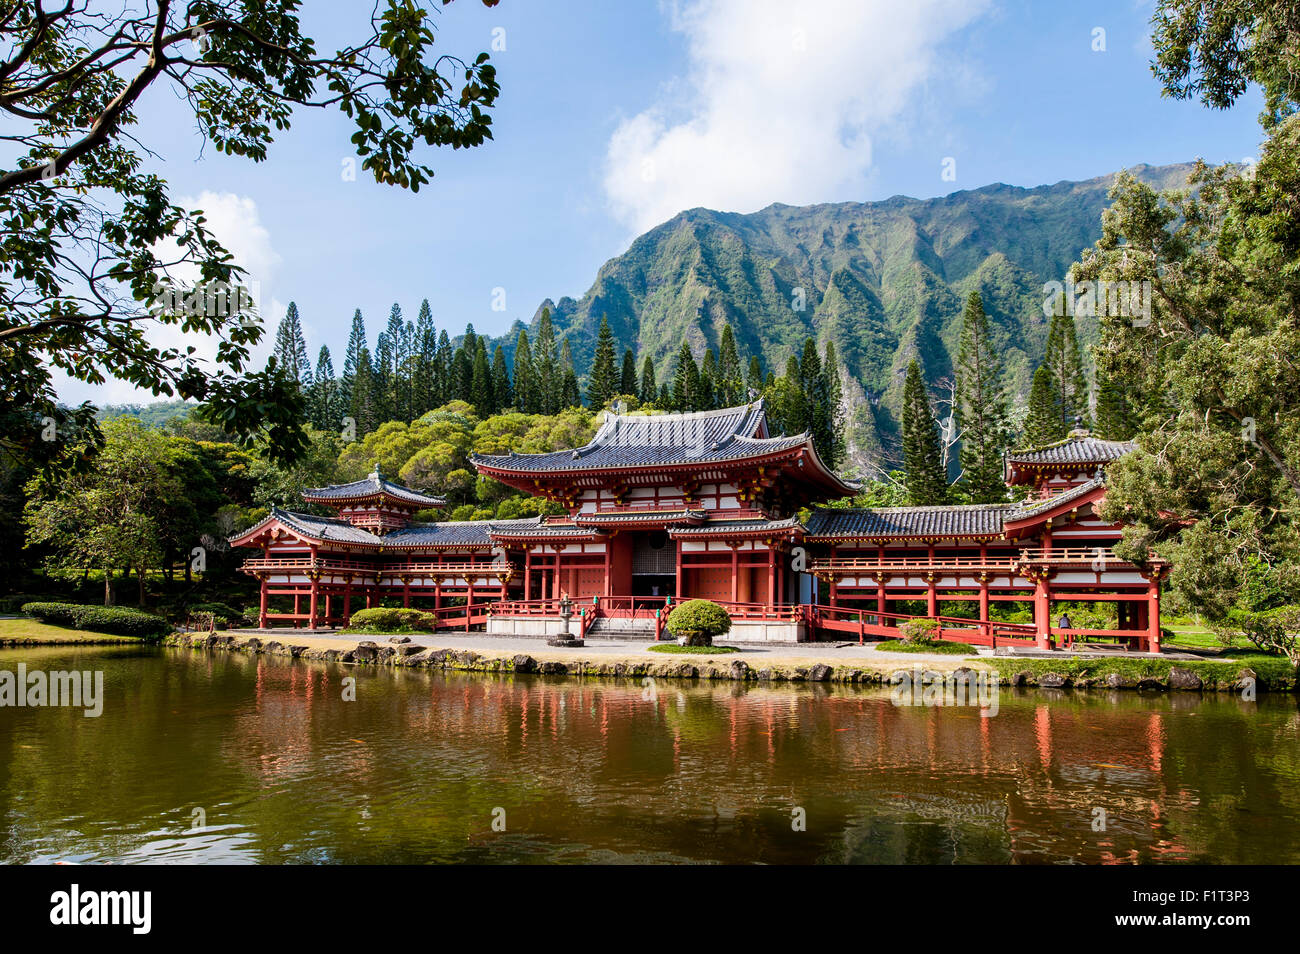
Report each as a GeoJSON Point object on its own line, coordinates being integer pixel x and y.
{"type": "Point", "coordinates": [616, 115]}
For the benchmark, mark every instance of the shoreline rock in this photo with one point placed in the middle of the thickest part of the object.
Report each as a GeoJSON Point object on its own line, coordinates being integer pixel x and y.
{"type": "Point", "coordinates": [411, 656]}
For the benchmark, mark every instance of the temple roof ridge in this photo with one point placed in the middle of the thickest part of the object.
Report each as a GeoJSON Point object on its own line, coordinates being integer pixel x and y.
{"type": "Point", "coordinates": [1082, 449]}
{"type": "Point", "coordinates": [372, 485]}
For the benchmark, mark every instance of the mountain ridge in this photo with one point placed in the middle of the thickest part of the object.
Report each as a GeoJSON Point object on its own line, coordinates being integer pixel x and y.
{"type": "Point", "coordinates": [886, 280]}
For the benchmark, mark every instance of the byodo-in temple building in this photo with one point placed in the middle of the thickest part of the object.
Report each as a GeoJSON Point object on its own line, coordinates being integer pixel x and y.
{"type": "Point", "coordinates": [661, 508]}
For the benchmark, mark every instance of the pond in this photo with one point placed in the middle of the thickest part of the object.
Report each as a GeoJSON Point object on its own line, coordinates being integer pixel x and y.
{"type": "Point", "coordinates": [202, 757]}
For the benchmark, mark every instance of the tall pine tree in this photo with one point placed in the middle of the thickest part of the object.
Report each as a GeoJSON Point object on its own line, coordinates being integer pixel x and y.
{"type": "Point", "coordinates": [501, 395]}
{"type": "Point", "coordinates": [322, 401]}
{"type": "Point", "coordinates": [603, 382]}
{"type": "Point", "coordinates": [730, 385]}
{"type": "Point", "coordinates": [1044, 423]}
{"type": "Point", "coordinates": [627, 376]}
{"type": "Point", "coordinates": [291, 348]}
{"type": "Point", "coordinates": [363, 408]}
{"type": "Point", "coordinates": [707, 399]}
{"type": "Point", "coordinates": [426, 349]}
{"type": "Point", "coordinates": [754, 380]}
{"type": "Point", "coordinates": [352, 358]}
{"type": "Point", "coordinates": [927, 485]}
{"type": "Point", "coordinates": [480, 388]}
{"type": "Point", "coordinates": [442, 370]}
{"type": "Point", "coordinates": [981, 407]}
{"type": "Point", "coordinates": [649, 392]}
{"type": "Point", "coordinates": [546, 363]}
{"type": "Point", "coordinates": [525, 387]}
{"type": "Point", "coordinates": [570, 396]}
{"type": "Point", "coordinates": [1065, 364]}
{"type": "Point", "coordinates": [834, 406]}
{"type": "Point", "coordinates": [686, 380]}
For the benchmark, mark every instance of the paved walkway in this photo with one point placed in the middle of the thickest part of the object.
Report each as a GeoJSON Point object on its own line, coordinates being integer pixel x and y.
{"type": "Point", "coordinates": [830, 652]}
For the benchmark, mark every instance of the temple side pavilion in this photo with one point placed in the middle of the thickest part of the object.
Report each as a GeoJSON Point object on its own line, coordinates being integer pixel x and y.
{"type": "Point", "coordinates": [666, 507]}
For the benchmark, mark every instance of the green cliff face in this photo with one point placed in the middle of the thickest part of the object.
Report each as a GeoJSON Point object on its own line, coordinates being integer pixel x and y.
{"type": "Point", "coordinates": [886, 281]}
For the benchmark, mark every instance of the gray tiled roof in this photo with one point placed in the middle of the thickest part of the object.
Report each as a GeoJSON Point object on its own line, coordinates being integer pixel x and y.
{"type": "Point", "coordinates": [722, 527]}
{"type": "Point", "coordinates": [372, 486]}
{"type": "Point", "coordinates": [325, 528]}
{"type": "Point", "coordinates": [638, 516]}
{"type": "Point", "coordinates": [1076, 450]}
{"type": "Point", "coordinates": [1028, 508]}
{"type": "Point", "coordinates": [984, 520]}
{"type": "Point", "coordinates": [468, 533]}
{"type": "Point", "coordinates": [543, 529]}
{"type": "Point", "coordinates": [649, 440]}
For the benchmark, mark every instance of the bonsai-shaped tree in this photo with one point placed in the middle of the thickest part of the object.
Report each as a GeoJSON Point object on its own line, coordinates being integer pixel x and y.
{"type": "Point", "coordinates": [921, 631]}
{"type": "Point", "coordinates": [696, 622]}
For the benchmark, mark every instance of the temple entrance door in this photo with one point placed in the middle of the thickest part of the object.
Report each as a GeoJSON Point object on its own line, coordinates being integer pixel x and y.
{"type": "Point", "coordinates": [654, 564]}
{"type": "Point", "coordinates": [654, 584]}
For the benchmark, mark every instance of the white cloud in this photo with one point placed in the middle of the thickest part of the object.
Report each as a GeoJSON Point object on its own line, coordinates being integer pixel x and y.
{"type": "Point", "coordinates": [237, 224]}
{"type": "Point", "coordinates": [780, 102]}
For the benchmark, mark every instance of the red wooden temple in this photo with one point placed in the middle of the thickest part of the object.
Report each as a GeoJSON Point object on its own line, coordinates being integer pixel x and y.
{"type": "Point", "coordinates": [666, 507]}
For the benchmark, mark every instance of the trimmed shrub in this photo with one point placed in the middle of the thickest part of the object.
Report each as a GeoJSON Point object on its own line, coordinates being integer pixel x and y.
{"type": "Point", "coordinates": [56, 614]}
{"type": "Point", "coordinates": [14, 602]}
{"type": "Point", "coordinates": [118, 621]}
{"type": "Point", "coordinates": [697, 622]}
{"type": "Point", "coordinates": [383, 619]}
{"type": "Point", "coordinates": [920, 632]}
{"type": "Point", "coordinates": [112, 620]}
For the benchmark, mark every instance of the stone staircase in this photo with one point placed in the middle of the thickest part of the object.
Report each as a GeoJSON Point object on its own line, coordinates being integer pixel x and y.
{"type": "Point", "coordinates": [608, 627]}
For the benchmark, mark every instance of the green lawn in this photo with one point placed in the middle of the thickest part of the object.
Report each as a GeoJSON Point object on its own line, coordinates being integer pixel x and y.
{"type": "Point", "coordinates": [1188, 636]}
{"type": "Point", "coordinates": [693, 650]}
{"type": "Point", "coordinates": [941, 647]}
{"type": "Point", "coordinates": [29, 630]}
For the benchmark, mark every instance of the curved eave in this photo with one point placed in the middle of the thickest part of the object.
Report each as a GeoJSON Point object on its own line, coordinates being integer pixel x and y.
{"type": "Point", "coordinates": [541, 539]}
{"type": "Point", "coordinates": [906, 538]}
{"type": "Point", "coordinates": [1067, 505]}
{"type": "Point", "coordinates": [685, 533]}
{"type": "Point", "coordinates": [331, 501]}
{"type": "Point", "coordinates": [818, 472]}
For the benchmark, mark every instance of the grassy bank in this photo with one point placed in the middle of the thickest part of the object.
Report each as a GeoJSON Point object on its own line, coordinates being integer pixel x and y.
{"type": "Point", "coordinates": [1274, 672]}
{"type": "Point", "coordinates": [29, 632]}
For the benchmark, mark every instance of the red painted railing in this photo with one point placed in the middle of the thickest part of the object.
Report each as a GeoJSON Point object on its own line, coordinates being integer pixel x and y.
{"type": "Point", "coordinates": [864, 565]}
{"type": "Point", "coordinates": [483, 569]}
{"type": "Point", "coordinates": [864, 622]}
{"type": "Point", "coordinates": [461, 617]}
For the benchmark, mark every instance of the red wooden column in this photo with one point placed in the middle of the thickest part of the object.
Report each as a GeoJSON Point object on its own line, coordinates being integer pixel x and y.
{"type": "Point", "coordinates": [780, 576]}
{"type": "Point", "coordinates": [609, 566]}
{"type": "Point", "coordinates": [931, 593]}
{"type": "Point", "coordinates": [528, 573]}
{"type": "Point", "coordinates": [261, 615]}
{"type": "Point", "coordinates": [1042, 613]}
{"type": "Point", "coordinates": [315, 596]}
{"type": "Point", "coordinates": [880, 596]}
{"type": "Point", "coordinates": [406, 592]}
{"type": "Point", "coordinates": [984, 604]}
{"type": "Point", "coordinates": [1153, 615]}
{"type": "Point", "coordinates": [677, 590]}
{"type": "Point", "coordinates": [347, 602]}
{"type": "Point", "coordinates": [735, 572]}
{"type": "Point", "coordinates": [771, 576]}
